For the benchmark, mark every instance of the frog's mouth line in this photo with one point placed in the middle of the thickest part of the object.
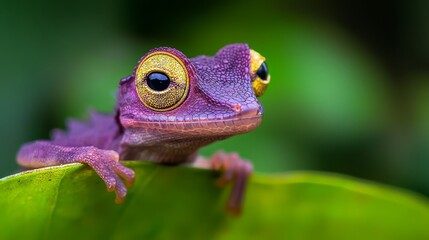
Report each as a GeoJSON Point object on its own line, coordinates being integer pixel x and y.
{"type": "Point", "coordinates": [213, 127]}
{"type": "Point", "coordinates": [243, 120]}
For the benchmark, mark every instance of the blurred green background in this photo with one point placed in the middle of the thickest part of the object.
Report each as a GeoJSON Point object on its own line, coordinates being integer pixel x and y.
{"type": "Point", "coordinates": [349, 90]}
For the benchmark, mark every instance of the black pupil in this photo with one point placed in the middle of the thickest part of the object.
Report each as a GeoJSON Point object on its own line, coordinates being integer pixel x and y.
{"type": "Point", "coordinates": [262, 71]}
{"type": "Point", "coordinates": [158, 81]}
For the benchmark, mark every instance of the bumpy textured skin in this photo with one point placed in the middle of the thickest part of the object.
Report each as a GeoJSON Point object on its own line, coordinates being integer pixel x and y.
{"type": "Point", "coordinates": [221, 103]}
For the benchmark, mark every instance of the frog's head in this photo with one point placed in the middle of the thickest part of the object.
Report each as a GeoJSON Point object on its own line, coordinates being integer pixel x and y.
{"type": "Point", "coordinates": [173, 99]}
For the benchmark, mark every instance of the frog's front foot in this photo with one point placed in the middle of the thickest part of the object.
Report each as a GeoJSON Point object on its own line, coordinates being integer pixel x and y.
{"type": "Point", "coordinates": [234, 171]}
{"type": "Point", "coordinates": [106, 164]}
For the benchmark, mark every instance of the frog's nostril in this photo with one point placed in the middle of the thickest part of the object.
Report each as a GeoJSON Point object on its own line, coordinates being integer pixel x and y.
{"type": "Point", "coordinates": [237, 108]}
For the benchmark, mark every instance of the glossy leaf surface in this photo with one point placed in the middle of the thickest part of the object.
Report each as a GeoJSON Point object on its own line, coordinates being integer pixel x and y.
{"type": "Point", "coordinates": [71, 202]}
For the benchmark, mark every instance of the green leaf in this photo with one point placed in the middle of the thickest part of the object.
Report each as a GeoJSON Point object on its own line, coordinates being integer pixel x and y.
{"type": "Point", "coordinates": [71, 202]}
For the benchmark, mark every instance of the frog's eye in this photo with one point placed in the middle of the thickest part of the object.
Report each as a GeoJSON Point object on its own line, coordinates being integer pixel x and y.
{"type": "Point", "coordinates": [162, 81]}
{"type": "Point", "coordinates": [258, 73]}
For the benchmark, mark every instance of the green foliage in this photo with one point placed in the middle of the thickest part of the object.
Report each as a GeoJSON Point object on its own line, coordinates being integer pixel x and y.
{"type": "Point", "coordinates": [70, 202]}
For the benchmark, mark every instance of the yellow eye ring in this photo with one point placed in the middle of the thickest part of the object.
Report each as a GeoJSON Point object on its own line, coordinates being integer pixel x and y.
{"type": "Point", "coordinates": [256, 63]}
{"type": "Point", "coordinates": [172, 94]}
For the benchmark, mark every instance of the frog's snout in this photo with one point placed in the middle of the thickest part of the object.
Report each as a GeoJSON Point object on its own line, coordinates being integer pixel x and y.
{"type": "Point", "coordinates": [248, 110]}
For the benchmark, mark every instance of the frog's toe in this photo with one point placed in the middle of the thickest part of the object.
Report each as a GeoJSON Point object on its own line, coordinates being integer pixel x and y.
{"type": "Point", "coordinates": [113, 182]}
{"type": "Point", "coordinates": [110, 182]}
{"type": "Point", "coordinates": [243, 171]}
{"type": "Point", "coordinates": [236, 171]}
{"type": "Point", "coordinates": [105, 164]}
{"type": "Point", "coordinates": [120, 191]}
{"type": "Point", "coordinates": [226, 163]}
{"type": "Point", "coordinates": [107, 174]}
{"type": "Point", "coordinates": [116, 171]}
{"type": "Point", "coordinates": [127, 174]}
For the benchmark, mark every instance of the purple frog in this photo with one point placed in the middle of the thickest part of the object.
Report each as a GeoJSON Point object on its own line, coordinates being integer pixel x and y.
{"type": "Point", "coordinates": [167, 109]}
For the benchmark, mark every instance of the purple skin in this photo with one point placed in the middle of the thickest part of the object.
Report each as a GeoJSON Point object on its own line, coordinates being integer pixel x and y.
{"type": "Point", "coordinates": [221, 103]}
